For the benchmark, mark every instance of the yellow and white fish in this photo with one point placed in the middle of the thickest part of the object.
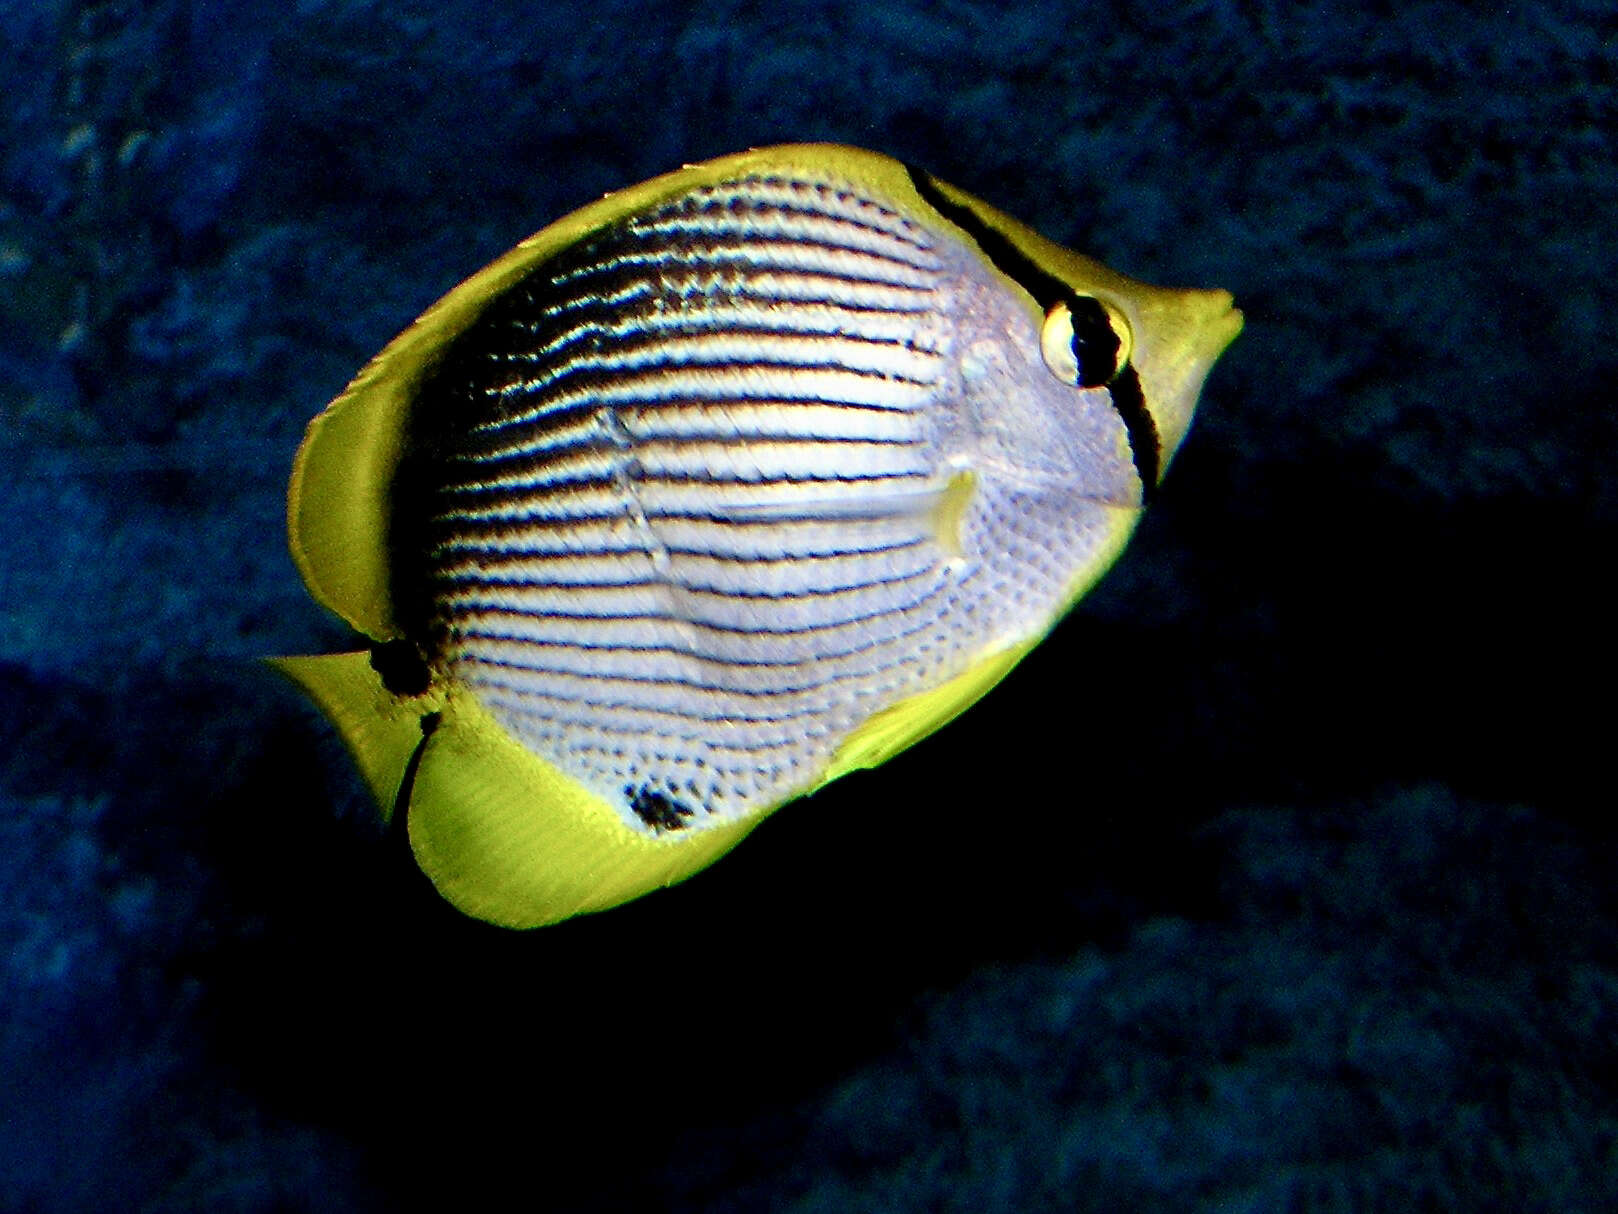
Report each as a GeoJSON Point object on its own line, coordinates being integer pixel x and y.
{"type": "Point", "coordinates": [711, 492]}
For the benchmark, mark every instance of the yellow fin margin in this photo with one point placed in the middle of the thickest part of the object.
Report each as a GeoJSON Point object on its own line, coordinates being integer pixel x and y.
{"type": "Point", "coordinates": [508, 838]}
{"type": "Point", "coordinates": [899, 726]}
{"type": "Point", "coordinates": [503, 835]}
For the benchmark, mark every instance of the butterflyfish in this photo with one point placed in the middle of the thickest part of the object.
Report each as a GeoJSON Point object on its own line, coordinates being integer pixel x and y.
{"type": "Point", "coordinates": [709, 493]}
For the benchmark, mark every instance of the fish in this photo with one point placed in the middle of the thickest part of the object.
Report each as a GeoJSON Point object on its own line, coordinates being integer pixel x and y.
{"type": "Point", "coordinates": [710, 493]}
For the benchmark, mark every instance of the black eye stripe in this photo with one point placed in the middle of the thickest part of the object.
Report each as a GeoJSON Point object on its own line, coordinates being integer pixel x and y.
{"type": "Point", "coordinates": [1095, 343]}
{"type": "Point", "coordinates": [1048, 291]}
{"type": "Point", "coordinates": [1144, 443]}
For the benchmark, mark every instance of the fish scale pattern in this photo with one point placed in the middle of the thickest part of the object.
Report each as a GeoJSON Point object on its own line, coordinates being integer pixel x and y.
{"type": "Point", "coordinates": [682, 496]}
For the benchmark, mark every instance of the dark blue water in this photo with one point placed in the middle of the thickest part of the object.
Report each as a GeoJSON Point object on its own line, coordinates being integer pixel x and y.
{"type": "Point", "coordinates": [1281, 878]}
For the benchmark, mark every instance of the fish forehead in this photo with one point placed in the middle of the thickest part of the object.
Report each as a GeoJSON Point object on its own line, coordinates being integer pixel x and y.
{"type": "Point", "coordinates": [684, 498]}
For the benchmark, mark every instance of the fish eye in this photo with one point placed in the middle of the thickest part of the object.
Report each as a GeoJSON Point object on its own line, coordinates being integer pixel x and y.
{"type": "Point", "coordinates": [1085, 342]}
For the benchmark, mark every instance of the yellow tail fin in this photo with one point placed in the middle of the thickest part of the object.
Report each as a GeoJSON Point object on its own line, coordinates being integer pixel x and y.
{"type": "Point", "coordinates": [381, 729]}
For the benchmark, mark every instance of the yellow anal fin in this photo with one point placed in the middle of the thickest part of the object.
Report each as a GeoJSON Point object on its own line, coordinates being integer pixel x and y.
{"type": "Point", "coordinates": [901, 725]}
{"type": "Point", "coordinates": [505, 836]}
{"type": "Point", "coordinates": [380, 729]}
{"type": "Point", "coordinates": [510, 839]}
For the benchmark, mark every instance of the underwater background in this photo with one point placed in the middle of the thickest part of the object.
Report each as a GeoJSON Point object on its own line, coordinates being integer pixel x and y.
{"type": "Point", "coordinates": [1282, 877]}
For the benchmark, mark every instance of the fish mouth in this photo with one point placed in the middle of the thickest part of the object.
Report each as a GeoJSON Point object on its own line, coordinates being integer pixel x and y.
{"type": "Point", "coordinates": [1225, 321]}
{"type": "Point", "coordinates": [1209, 321]}
{"type": "Point", "coordinates": [1187, 331]}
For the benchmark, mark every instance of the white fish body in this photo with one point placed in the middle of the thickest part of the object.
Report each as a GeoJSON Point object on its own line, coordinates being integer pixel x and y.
{"type": "Point", "coordinates": [710, 493]}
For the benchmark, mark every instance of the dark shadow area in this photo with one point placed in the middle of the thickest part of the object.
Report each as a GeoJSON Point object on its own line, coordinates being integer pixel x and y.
{"type": "Point", "coordinates": [335, 988]}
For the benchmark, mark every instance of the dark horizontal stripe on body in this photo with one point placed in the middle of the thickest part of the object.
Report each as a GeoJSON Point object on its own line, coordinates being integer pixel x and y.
{"type": "Point", "coordinates": [465, 606]}
{"type": "Point", "coordinates": [691, 237]}
{"type": "Point", "coordinates": [690, 284]}
{"type": "Point", "coordinates": [474, 633]}
{"type": "Point", "coordinates": [631, 335]}
{"type": "Point", "coordinates": [750, 193]}
{"type": "Point", "coordinates": [731, 717]}
{"type": "Point", "coordinates": [760, 462]}
{"type": "Point", "coordinates": [650, 373]}
{"type": "Point", "coordinates": [561, 486]}
{"type": "Point", "coordinates": [626, 422]}
{"type": "Point", "coordinates": [458, 578]}
{"type": "Point", "coordinates": [747, 214]}
{"type": "Point", "coordinates": [833, 236]}
{"type": "Point", "coordinates": [769, 286]}
{"type": "Point", "coordinates": [559, 417]}
{"type": "Point", "coordinates": [782, 253]}
{"type": "Point", "coordinates": [701, 386]}
{"type": "Point", "coordinates": [639, 444]}
{"type": "Point", "coordinates": [507, 556]}
{"type": "Point", "coordinates": [490, 662]}
{"type": "Point", "coordinates": [629, 428]}
{"type": "Point", "coordinates": [712, 311]}
{"type": "Point", "coordinates": [457, 521]}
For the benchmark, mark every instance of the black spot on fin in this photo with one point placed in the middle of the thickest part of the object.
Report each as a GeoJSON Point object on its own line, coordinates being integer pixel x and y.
{"type": "Point", "coordinates": [404, 671]}
{"type": "Point", "coordinates": [657, 809]}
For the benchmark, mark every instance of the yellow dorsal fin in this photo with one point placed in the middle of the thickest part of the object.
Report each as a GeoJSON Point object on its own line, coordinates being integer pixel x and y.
{"type": "Point", "coordinates": [339, 502]}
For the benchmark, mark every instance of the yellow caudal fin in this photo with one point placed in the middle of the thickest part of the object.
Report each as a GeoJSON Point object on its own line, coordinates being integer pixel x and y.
{"type": "Point", "coordinates": [505, 836]}
{"type": "Point", "coordinates": [381, 730]}
{"type": "Point", "coordinates": [510, 839]}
